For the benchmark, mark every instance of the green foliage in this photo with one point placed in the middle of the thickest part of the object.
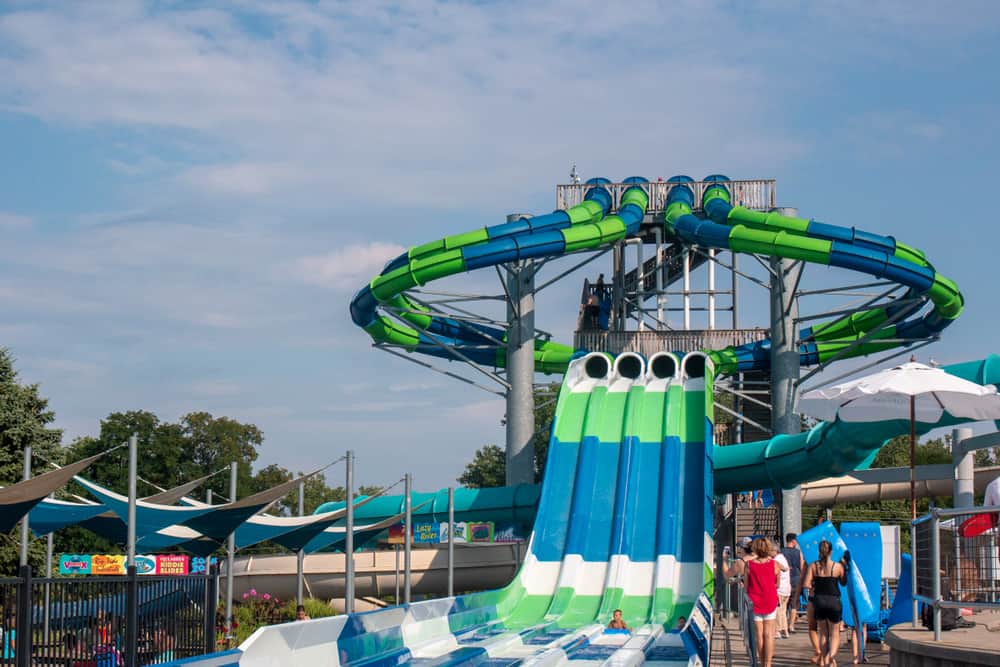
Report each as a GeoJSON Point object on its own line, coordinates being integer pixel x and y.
{"type": "Point", "coordinates": [25, 419]}
{"type": "Point", "coordinates": [896, 452]}
{"type": "Point", "coordinates": [314, 609]}
{"type": "Point", "coordinates": [545, 413]}
{"type": "Point", "coordinates": [488, 468]}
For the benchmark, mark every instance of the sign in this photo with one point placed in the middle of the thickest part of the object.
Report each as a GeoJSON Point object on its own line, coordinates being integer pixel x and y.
{"type": "Point", "coordinates": [102, 565]}
{"type": "Point", "coordinates": [507, 532]}
{"type": "Point", "coordinates": [480, 532]}
{"type": "Point", "coordinates": [145, 564]}
{"type": "Point", "coordinates": [200, 565]}
{"type": "Point", "coordinates": [396, 534]}
{"type": "Point", "coordinates": [458, 532]}
{"type": "Point", "coordinates": [427, 533]}
{"type": "Point", "coordinates": [74, 564]}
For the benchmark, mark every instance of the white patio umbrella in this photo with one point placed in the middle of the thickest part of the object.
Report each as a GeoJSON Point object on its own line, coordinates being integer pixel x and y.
{"type": "Point", "coordinates": [911, 391]}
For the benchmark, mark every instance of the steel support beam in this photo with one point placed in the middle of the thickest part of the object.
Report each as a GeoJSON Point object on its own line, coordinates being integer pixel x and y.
{"type": "Point", "coordinates": [964, 462]}
{"type": "Point", "coordinates": [785, 275]}
{"type": "Point", "coordinates": [521, 373]}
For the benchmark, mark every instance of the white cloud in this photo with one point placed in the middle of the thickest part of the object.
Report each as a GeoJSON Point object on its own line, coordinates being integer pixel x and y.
{"type": "Point", "coordinates": [346, 269]}
{"type": "Point", "coordinates": [12, 221]}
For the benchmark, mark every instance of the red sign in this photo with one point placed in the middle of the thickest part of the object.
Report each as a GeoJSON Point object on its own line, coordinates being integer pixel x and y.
{"type": "Point", "coordinates": [172, 564]}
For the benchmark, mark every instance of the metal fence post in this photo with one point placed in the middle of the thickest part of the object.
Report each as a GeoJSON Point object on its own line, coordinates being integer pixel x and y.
{"type": "Point", "coordinates": [407, 538]}
{"type": "Point", "coordinates": [22, 638]}
{"type": "Point", "coordinates": [451, 541]}
{"type": "Point", "coordinates": [132, 618]}
{"type": "Point", "coordinates": [211, 603]}
{"type": "Point", "coordinates": [913, 572]}
{"type": "Point", "coordinates": [936, 577]}
{"type": "Point", "coordinates": [25, 530]}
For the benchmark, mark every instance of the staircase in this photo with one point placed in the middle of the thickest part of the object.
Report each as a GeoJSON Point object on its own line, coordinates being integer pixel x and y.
{"type": "Point", "coordinates": [671, 262]}
{"type": "Point", "coordinates": [757, 521]}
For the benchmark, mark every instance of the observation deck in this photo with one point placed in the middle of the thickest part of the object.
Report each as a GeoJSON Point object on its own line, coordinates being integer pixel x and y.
{"type": "Point", "coordinates": [758, 194]}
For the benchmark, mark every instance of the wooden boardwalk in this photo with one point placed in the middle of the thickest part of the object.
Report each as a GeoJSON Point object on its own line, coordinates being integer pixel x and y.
{"type": "Point", "coordinates": [787, 652]}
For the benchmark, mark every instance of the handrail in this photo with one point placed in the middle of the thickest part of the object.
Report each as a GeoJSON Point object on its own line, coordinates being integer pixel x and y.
{"type": "Point", "coordinates": [955, 560]}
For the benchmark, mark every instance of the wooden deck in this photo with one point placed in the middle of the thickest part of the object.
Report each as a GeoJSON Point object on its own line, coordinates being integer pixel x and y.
{"type": "Point", "coordinates": [787, 652]}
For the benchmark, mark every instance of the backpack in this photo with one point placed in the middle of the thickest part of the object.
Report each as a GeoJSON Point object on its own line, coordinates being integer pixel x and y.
{"type": "Point", "coordinates": [949, 618]}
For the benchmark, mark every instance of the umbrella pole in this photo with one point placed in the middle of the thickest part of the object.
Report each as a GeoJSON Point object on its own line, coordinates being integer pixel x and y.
{"type": "Point", "coordinates": [913, 459]}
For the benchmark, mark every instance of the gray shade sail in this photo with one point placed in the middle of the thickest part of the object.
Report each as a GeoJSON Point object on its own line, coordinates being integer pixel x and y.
{"type": "Point", "coordinates": [171, 496]}
{"type": "Point", "coordinates": [18, 499]}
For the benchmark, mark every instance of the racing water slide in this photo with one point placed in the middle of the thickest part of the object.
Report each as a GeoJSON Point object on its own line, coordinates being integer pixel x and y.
{"type": "Point", "coordinates": [625, 513]}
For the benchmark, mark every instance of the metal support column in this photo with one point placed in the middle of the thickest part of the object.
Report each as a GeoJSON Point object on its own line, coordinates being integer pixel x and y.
{"type": "Point", "coordinates": [48, 591]}
{"type": "Point", "coordinates": [451, 541]}
{"type": "Point", "coordinates": [301, 555]}
{"type": "Point", "coordinates": [407, 536]}
{"type": "Point", "coordinates": [687, 287]}
{"type": "Point", "coordinates": [618, 309]}
{"type": "Point", "coordinates": [132, 592]}
{"type": "Point", "coordinates": [785, 370]}
{"type": "Point", "coordinates": [736, 289]}
{"type": "Point", "coordinates": [660, 296]}
{"type": "Point", "coordinates": [711, 288]}
{"type": "Point", "coordinates": [349, 537]}
{"type": "Point", "coordinates": [25, 529]}
{"type": "Point", "coordinates": [230, 556]}
{"type": "Point", "coordinates": [133, 455]}
{"type": "Point", "coordinates": [521, 373]}
{"type": "Point", "coordinates": [964, 461]}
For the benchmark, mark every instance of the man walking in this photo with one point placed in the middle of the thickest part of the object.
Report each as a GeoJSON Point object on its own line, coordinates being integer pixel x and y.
{"type": "Point", "coordinates": [796, 566]}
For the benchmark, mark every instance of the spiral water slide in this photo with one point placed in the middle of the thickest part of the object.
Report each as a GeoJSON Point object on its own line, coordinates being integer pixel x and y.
{"type": "Point", "coordinates": [625, 514]}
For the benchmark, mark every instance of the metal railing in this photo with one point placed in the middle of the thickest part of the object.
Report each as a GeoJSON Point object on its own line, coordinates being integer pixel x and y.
{"type": "Point", "coordinates": [748, 628]}
{"type": "Point", "coordinates": [759, 194]}
{"type": "Point", "coordinates": [649, 342]}
{"type": "Point", "coordinates": [82, 621]}
{"type": "Point", "coordinates": [956, 561]}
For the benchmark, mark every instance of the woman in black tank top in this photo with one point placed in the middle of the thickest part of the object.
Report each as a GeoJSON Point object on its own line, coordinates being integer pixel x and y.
{"type": "Point", "coordinates": [823, 579]}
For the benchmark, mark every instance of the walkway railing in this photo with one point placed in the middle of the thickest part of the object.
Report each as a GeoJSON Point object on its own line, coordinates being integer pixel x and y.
{"type": "Point", "coordinates": [756, 194]}
{"type": "Point", "coordinates": [956, 560]}
{"type": "Point", "coordinates": [747, 627]}
{"type": "Point", "coordinates": [83, 621]}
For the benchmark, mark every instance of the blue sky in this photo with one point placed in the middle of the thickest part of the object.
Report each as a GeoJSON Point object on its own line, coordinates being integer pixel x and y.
{"type": "Point", "coordinates": [191, 192]}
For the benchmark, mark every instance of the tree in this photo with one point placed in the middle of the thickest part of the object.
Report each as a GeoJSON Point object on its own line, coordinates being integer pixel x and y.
{"type": "Point", "coordinates": [488, 468]}
{"type": "Point", "coordinates": [489, 464]}
{"type": "Point", "coordinates": [162, 447]}
{"type": "Point", "coordinates": [545, 414]}
{"type": "Point", "coordinates": [25, 419]}
{"type": "Point", "coordinates": [213, 442]}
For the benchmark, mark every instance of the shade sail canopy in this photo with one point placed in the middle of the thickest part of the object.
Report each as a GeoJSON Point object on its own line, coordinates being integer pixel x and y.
{"type": "Point", "coordinates": [337, 535]}
{"type": "Point", "coordinates": [886, 395]}
{"type": "Point", "coordinates": [149, 517]}
{"type": "Point", "coordinates": [171, 496]}
{"type": "Point", "coordinates": [18, 499]}
{"type": "Point", "coordinates": [290, 532]}
{"type": "Point", "coordinates": [50, 515]}
{"type": "Point", "coordinates": [212, 521]}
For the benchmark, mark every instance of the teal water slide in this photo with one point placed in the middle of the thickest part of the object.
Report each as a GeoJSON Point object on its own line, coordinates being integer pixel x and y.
{"type": "Point", "coordinates": [624, 518]}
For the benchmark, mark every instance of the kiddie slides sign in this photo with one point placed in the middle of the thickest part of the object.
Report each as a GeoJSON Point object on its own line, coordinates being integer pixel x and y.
{"type": "Point", "coordinates": [114, 564]}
